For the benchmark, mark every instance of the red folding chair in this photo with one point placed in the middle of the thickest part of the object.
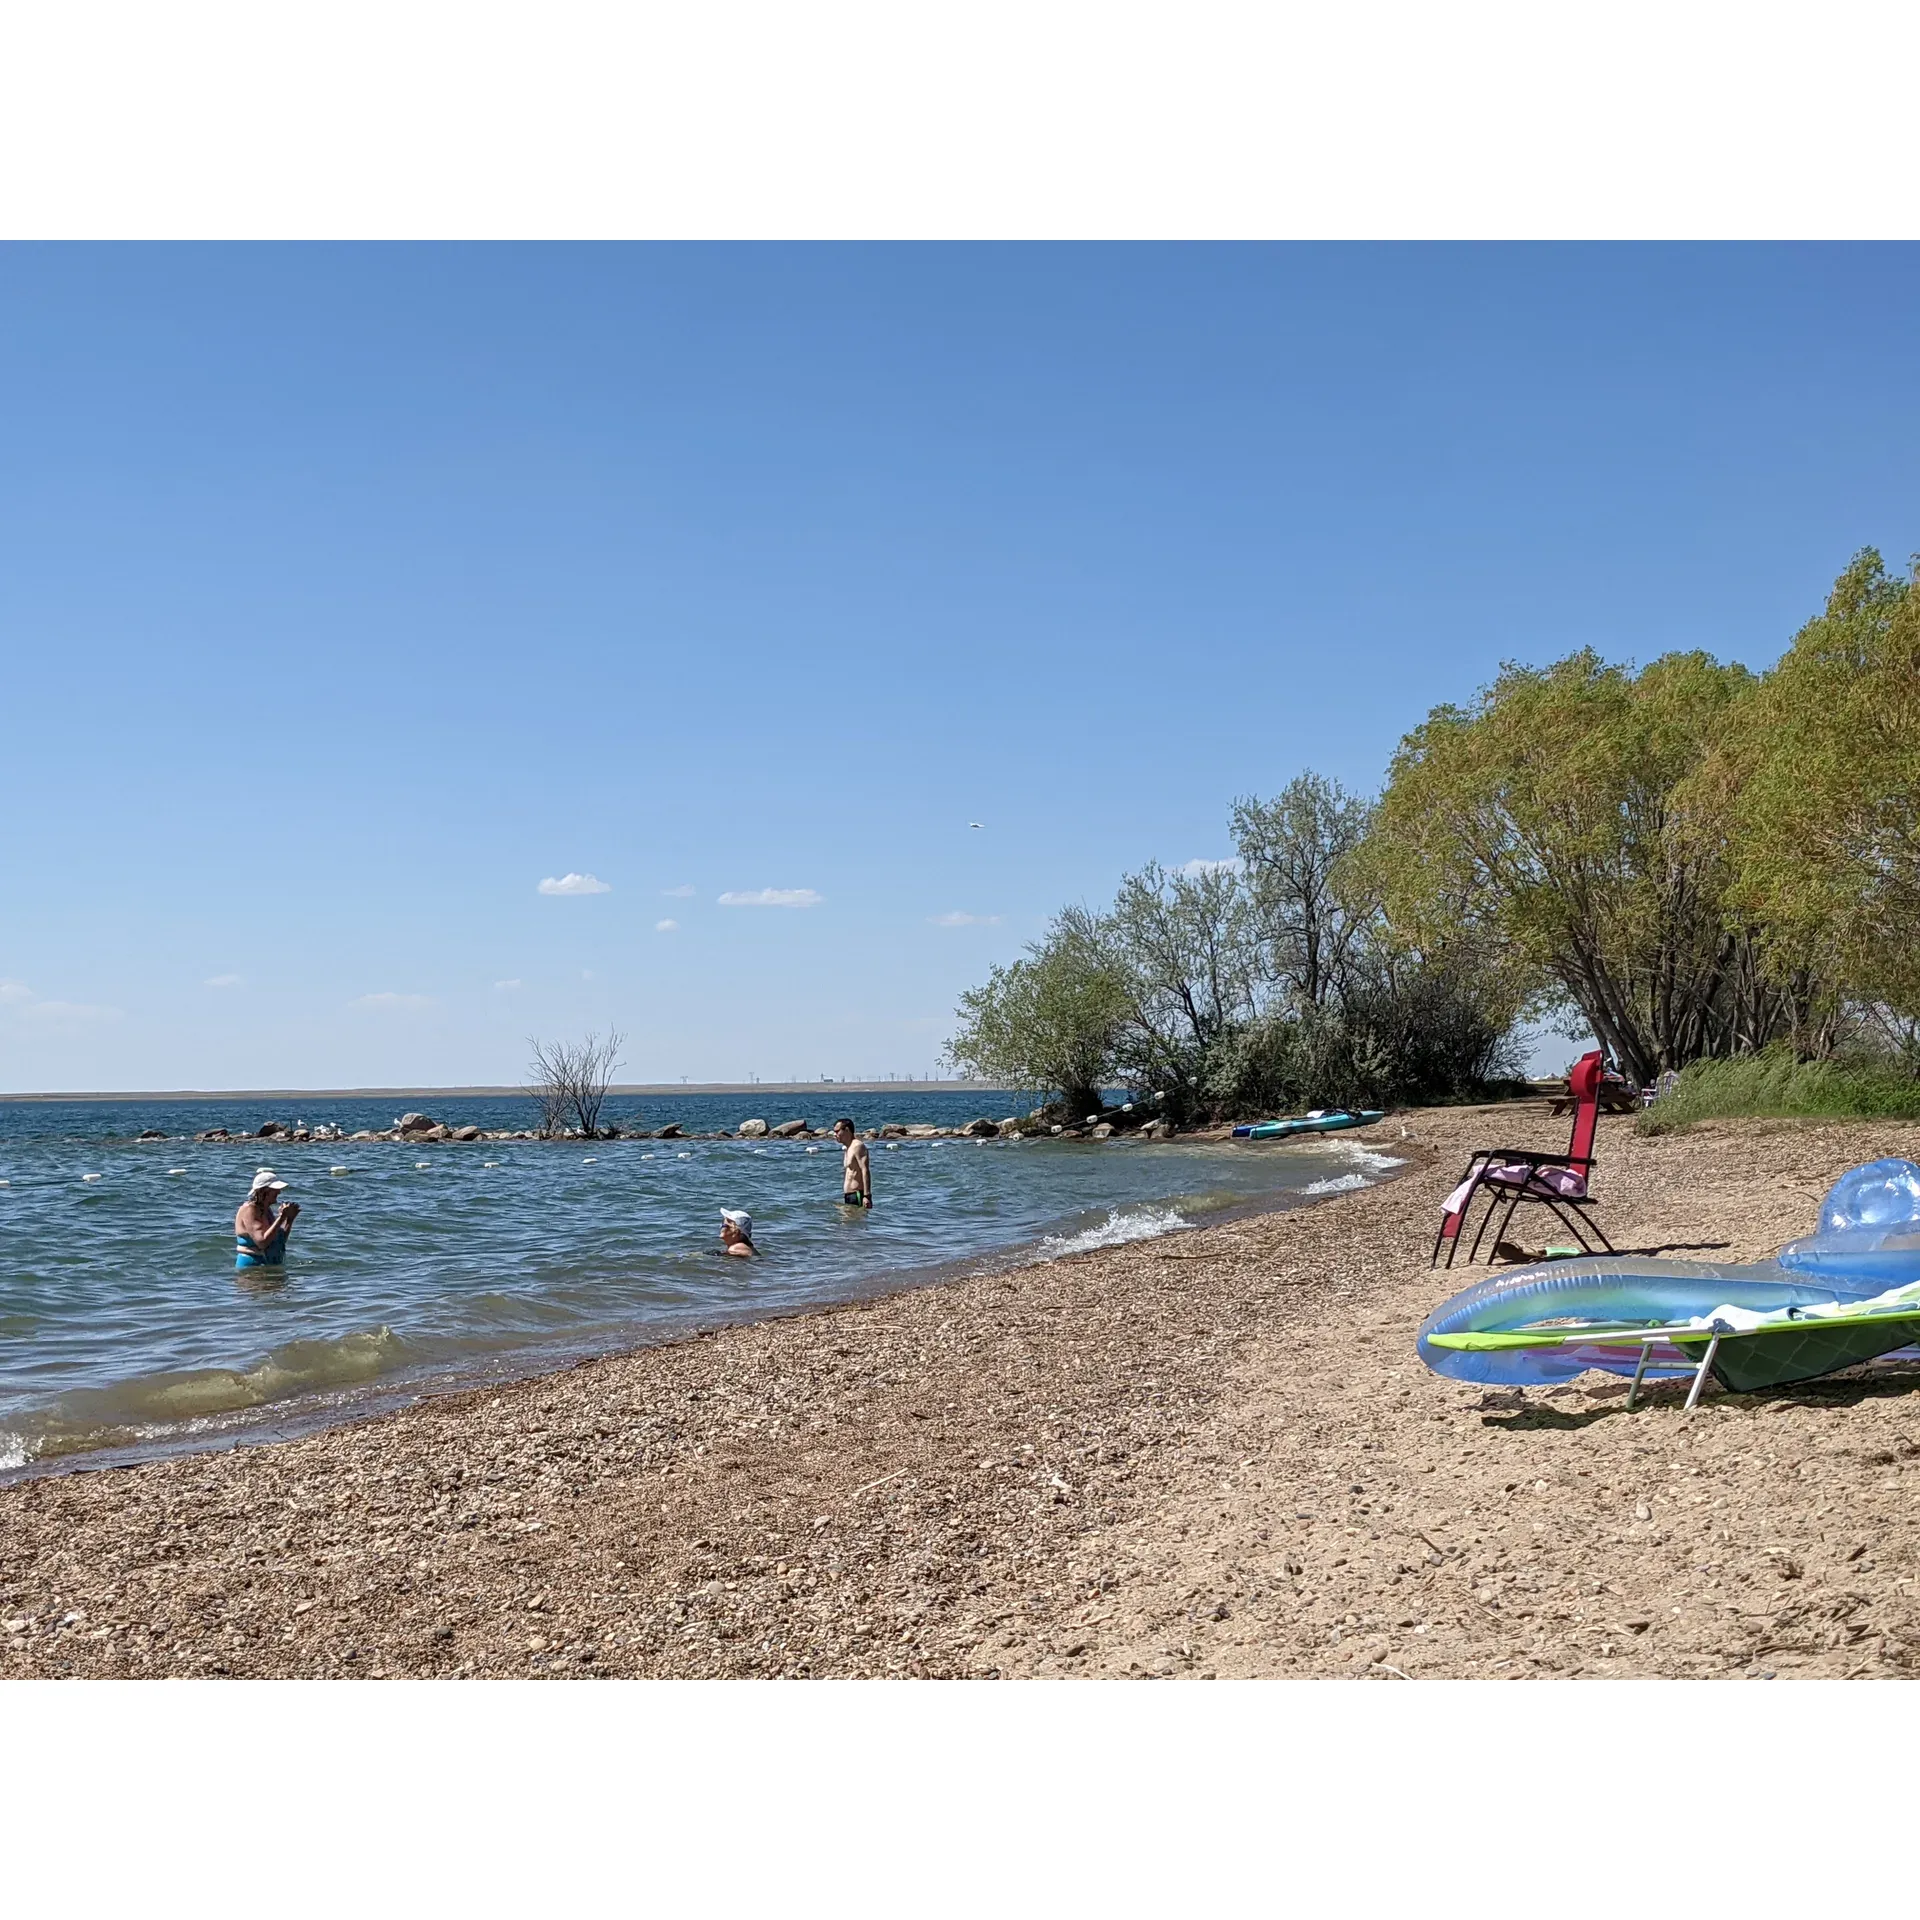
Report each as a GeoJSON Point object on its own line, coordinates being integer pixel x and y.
{"type": "Point", "coordinates": [1517, 1176]}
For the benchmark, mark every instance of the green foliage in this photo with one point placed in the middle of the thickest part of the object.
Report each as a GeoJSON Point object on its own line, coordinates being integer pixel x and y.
{"type": "Point", "coordinates": [1540, 825]}
{"type": "Point", "coordinates": [1692, 862]}
{"type": "Point", "coordinates": [1822, 777]}
{"type": "Point", "coordinates": [1309, 902]}
{"type": "Point", "coordinates": [1192, 987]}
{"type": "Point", "coordinates": [1051, 1020]}
{"type": "Point", "coordinates": [1422, 1035]}
{"type": "Point", "coordinates": [1181, 945]}
{"type": "Point", "coordinates": [1775, 1084]}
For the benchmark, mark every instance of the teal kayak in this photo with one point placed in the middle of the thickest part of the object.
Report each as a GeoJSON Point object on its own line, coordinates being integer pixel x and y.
{"type": "Point", "coordinates": [1309, 1123]}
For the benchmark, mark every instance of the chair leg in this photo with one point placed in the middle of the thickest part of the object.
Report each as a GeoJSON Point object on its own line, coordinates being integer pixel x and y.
{"type": "Point", "coordinates": [1639, 1374]}
{"type": "Point", "coordinates": [1569, 1220]}
{"type": "Point", "coordinates": [1700, 1378]}
{"type": "Point", "coordinates": [1486, 1220]}
{"type": "Point", "coordinates": [1575, 1215]}
{"type": "Point", "coordinates": [1471, 1181]}
{"type": "Point", "coordinates": [1500, 1232]}
{"type": "Point", "coordinates": [1599, 1232]}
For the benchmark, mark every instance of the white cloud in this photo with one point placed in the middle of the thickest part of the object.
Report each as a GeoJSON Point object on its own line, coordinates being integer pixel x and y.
{"type": "Point", "coordinates": [1195, 868]}
{"type": "Point", "coordinates": [16, 993]}
{"type": "Point", "coordinates": [676, 893]}
{"type": "Point", "coordinates": [966, 920]}
{"type": "Point", "coordinates": [572, 883]}
{"type": "Point", "coordinates": [666, 926]}
{"type": "Point", "coordinates": [505, 986]}
{"type": "Point", "coordinates": [773, 897]}
{"type": "Point", "coordinates": [393, 1002]}
{"type": "Point", "coordinates": [225, 980]}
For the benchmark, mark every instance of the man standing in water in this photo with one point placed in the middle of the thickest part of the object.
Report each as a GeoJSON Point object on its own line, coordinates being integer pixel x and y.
{"type": "Point", "coordinates": [856, 1170]}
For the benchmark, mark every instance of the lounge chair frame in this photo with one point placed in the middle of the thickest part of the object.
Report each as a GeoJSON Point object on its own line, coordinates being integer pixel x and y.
{"type": "Point", "coordinates": [1575, 1213]}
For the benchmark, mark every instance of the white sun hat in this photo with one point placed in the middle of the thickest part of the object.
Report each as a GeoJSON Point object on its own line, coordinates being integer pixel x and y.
{"type": "Point", "coordinates": [266, 1177]}
{"type": "Point", "coordinates": [740, 1219]}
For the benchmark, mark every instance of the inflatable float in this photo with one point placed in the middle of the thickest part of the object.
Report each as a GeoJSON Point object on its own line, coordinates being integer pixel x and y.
{"type": "Point", "coordinates": [1847, 1293]}
{"type": "Point", "coordinates": [1323, 1122]}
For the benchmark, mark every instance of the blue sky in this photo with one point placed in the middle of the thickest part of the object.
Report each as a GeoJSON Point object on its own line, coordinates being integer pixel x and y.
{"type": "Point", "coordinates": [346, 594]}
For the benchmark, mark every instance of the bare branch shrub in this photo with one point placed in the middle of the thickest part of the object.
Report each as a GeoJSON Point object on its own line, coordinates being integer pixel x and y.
{"type": "Point", "coordinates": [567, 1081]}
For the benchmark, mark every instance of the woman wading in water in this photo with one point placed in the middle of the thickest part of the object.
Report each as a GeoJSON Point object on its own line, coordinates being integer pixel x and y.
{"type": "Point", "coordinates": [260, 1228]}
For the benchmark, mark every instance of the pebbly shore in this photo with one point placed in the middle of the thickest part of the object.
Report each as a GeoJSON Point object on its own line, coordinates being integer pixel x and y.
{"type": "Point", "coordinates": [1213, 1454]}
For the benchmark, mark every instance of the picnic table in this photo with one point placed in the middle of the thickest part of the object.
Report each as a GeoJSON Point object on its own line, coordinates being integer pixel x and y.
{"type": "Point", "coordinates": [1617, 1095]}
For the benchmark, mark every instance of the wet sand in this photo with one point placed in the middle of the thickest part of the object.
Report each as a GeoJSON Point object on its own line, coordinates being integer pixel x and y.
{"type": "Point", "coordinates": [1214, 1454]}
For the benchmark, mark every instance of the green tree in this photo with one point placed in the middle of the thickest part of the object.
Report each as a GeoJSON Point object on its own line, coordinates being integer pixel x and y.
{"type": "Point", "coordinates": [1295, 851]}
{"type": "Point", "coordinates": [1819, 779]}
{"type": "Point", "coordinates": [1050, 1021]}
{"type": "Point", "coordinates": [1181, 943]}
{"type": "Point", "coordinates": [1538, 828]}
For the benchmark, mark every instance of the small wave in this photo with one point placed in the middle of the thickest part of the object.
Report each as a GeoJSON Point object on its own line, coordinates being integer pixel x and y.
{"type": "Point", "coordinates": [1341, 1183]}
{"type": "Point", "coordinates": [1149, 1223]}
{"type": "Point", "coordinates": [1379, 1162]}
{"type": "Point", "coordinates": [13, 1451]}
{"type": "Point", "coordinates": [154, 1405]}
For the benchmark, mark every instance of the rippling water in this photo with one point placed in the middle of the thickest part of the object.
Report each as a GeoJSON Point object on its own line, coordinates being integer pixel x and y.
{"type": "Point", "coordinates": [123, 1325]}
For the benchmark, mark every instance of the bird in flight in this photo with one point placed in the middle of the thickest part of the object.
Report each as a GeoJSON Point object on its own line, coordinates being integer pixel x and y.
{"type": "Point", "coordinates": [976, 824]}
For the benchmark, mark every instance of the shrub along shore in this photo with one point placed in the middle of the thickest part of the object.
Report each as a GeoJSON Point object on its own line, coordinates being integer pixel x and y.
{"type": "Point", "coordinates": [1210, 1454]}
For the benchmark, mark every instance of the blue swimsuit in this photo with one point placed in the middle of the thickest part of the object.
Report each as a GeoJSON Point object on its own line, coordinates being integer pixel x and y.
{"type": "Point", "coordinates": [246, 1254]}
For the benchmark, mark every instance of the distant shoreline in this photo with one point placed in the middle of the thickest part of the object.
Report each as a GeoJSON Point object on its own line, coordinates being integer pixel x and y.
{"type": "Point", "coordinates": [791, 1087]}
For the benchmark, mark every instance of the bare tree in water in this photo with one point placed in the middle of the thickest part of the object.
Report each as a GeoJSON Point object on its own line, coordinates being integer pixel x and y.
{"type": "Point", "coordinates": [568, 1081]}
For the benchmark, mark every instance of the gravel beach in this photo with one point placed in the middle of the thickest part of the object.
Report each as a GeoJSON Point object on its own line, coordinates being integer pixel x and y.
{"type": "Point", "coordinates": [1211, 1455]}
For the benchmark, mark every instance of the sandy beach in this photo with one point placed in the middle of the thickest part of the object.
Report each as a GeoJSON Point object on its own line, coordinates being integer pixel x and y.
{"type": "Point", "coordinates": [1211, 1455]}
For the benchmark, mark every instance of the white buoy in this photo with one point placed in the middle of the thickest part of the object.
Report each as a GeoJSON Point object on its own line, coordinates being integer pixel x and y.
{"type": "Point", "coordinates": [489, 1163]}
{"type": "Point", "coordinates": [174, 1170]}
{"type": "Point", "coordinates": [591, 1160]}
{"type": "Point", "coordinates": [422, 1165]}
{"type": "Point", "coordinates": [337, 1169]}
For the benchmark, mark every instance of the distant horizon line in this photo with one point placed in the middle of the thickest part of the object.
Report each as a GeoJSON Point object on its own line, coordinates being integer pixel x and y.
{"type": "Point", "coordinates": [651, 1090]}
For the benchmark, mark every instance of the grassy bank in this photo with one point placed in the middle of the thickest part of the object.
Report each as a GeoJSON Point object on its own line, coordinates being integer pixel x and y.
{"type": "Point", "coordinates": [1775, 1085]}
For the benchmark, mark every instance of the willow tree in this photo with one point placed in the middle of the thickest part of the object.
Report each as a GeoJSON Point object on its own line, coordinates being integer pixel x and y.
{"type": "Point", "coordinates": [1180, 945]}
{"type": "Point", "coordinates": [1051, 1020]}
{"type": "Point", "coordinates": [1819, 781]}
{"type": "Point", "coordinates": [1296, 852]}
{"type": "Point", "coordinates": [1538, 828]}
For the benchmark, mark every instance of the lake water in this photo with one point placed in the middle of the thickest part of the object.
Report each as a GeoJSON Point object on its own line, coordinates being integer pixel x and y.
{"type": "Point", "coordinates": [124, 1328]}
